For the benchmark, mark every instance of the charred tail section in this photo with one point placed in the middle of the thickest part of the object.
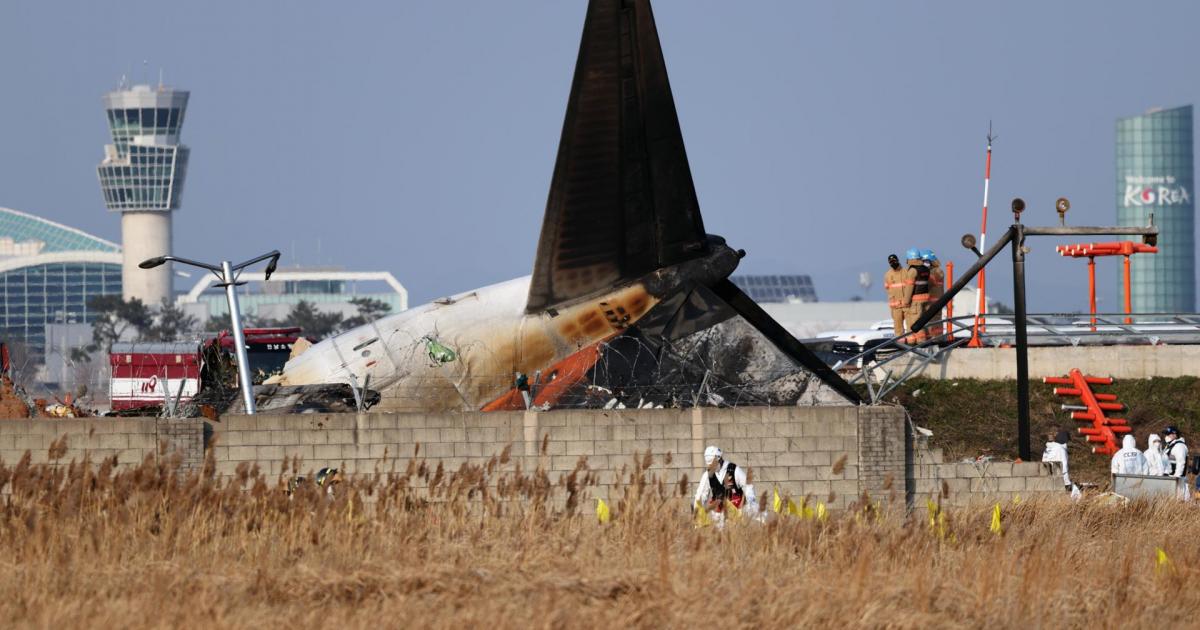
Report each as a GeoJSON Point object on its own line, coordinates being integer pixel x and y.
{"type": "Point", "coordinates": [622, 202]}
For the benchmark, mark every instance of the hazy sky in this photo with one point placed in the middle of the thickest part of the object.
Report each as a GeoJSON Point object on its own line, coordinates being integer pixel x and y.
{"type": "Point", "coordinates": [419, 137]}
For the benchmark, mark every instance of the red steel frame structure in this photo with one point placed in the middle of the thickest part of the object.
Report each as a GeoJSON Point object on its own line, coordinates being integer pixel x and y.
{"type": "Point", "coordinates": [1118, 248]}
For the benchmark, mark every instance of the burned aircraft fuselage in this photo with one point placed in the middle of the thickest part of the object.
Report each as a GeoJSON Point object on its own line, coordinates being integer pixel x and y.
{"type": "Point", "coordinates": [490, 337]}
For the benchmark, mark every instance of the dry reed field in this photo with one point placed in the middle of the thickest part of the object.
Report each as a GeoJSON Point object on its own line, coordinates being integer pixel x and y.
{"type": "Point", "coordinates": [493, 546]}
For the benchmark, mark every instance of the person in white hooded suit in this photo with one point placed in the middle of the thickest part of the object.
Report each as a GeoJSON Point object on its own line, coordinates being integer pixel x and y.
{"type": "Point", "coordinates": [1056, 451]}
{"type": "Point", "coordinates": [1129, 460]}
{"type": "Point", "coordinates": [1156, 459]}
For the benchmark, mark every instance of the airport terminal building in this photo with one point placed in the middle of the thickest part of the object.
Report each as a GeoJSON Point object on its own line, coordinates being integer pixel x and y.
{"type": "Point", "coordinates": [328, 290]}
{"type": "Point", "coordinates": [48, 272]}
{"type": "Point", "coordinates": [1155, 175]}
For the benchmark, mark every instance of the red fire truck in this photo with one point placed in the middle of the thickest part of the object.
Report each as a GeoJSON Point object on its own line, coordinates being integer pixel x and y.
{"type": "Point", "coordinates": [150, 374]}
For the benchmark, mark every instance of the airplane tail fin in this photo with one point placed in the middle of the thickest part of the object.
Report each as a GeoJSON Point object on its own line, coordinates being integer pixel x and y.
{"type": "Point", "coordinates": [622, 202]}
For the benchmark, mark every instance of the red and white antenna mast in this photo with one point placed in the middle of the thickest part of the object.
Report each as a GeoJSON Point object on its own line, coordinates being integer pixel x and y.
{"type": "Point", "coordinates": [981, 304]}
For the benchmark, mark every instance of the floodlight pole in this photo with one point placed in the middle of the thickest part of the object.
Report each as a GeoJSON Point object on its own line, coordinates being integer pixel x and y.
{"type": "Point", "coordinates": [239, 336]}
{"type": "Point", "coordinates": [1024, 450]}
{"type": "Point", "coordinates": [227, 273]}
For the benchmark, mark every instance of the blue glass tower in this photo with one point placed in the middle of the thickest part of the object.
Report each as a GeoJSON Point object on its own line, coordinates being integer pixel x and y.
{"type": "Point", "coordinates": [1155, 175]}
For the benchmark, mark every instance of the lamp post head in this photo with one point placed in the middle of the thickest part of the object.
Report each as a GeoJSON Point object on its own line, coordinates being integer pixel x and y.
{"type": "Point", "coordinates": [151, 263]}
{"type": "Point", "coordinates": [1061, 206]}
{"type": "Point", "coordinates": [968, 242]}
{"type": "Point", "coordinates": [1018, 206]}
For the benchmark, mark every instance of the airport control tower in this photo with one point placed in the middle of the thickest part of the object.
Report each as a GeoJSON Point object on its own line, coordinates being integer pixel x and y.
{"type": "Point", "coordinates": [142, 178]}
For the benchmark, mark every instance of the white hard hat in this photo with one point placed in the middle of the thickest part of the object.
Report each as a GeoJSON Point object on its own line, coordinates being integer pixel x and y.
{"type": "Point", "coordinates": [712, 453]}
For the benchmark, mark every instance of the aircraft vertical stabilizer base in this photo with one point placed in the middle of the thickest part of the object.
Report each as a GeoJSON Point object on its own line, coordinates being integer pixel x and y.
{"type": "Point", "coordinates": [629, 303]}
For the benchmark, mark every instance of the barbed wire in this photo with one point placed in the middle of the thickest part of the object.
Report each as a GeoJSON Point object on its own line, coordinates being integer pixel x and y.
{"type": "Point", "coordinates": [720, 366]}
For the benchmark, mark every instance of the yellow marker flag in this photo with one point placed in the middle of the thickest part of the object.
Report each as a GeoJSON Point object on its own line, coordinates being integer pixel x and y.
{"type": "Point", "coordinates": [702, 516]}
{"type": "Point", "coordinates": [1161, 561]}
{"type": "Point", "coordinates": [1017, 499]}
{"type": "Point", "coordinates": [932, 509]}
{"type": "Point", "coordinates": [996, 529]}
{"type": "Point", "coordinates": [821, 513]}
{"type": "Point", "coordinates": [602, 513]}
{"type": "Point", "coordinates": [777, 503]}
{"type": "Point", "coordinates": [792, 509]}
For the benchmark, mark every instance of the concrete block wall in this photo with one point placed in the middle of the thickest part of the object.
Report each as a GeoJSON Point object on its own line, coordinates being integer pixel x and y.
{"type": "Point", "coordinates": [184, 438]}
{"type": "Point", "coordinates": [831, 454]}
{"type": "Point", "coordinates": [969, 482]}
{"type": "Point", "coordinates": [881, 450]}
{"type": "Point", "coordinates": [1116, 361]}
{"type": "Point", "coordinates": [129, 440]}
{"type": "Point", "coordinates": [794, 449]}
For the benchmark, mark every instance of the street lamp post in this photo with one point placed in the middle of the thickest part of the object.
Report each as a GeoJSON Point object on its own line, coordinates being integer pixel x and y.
{"type": "Point", "coordinates": [228, 273]}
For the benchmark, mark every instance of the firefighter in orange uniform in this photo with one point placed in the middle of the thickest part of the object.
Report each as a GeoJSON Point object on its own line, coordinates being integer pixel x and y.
{"type": "Point", "coordinates": [937, 287]}
{"type": "Point", "coordinates": [920, 295]}
{"type": "Point", "coordinates": [898, 284]}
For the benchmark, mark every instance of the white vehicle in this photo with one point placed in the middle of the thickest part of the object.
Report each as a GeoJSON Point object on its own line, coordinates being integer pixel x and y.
{"type": "Point", "coordinates": [850, 342]}
{"type": "Point", "coordinates": [879, 330]}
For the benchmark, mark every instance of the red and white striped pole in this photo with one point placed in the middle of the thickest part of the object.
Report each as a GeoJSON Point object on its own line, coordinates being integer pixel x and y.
{"type": "Point", "coordinates": [981, 303]}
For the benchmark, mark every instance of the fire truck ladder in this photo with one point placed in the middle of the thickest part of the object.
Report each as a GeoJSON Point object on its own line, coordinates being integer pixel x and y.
{"type": "Point", "coordinates": [1104, 430]}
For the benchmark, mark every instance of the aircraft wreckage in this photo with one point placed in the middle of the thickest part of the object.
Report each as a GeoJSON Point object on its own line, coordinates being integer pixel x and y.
{"type": "Point", "coordinates": [629, 303]}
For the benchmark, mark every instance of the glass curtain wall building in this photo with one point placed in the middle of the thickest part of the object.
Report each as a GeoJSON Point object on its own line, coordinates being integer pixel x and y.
{"type": "Point", "coordinates": [142, 177]}
{"type": "Point", "coordinates": [1155, 175]}
{"type": "Point", "coordinates": [48, 272]}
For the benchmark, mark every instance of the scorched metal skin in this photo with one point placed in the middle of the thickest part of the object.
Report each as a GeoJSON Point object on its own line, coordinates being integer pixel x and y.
{"type": "Point", "coordinates": [491, 334]}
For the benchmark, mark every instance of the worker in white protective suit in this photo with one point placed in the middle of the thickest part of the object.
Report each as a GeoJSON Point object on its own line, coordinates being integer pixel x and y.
{"type": "Point", "coordinates": [1056, 451]}
{"type": "Point", "coordinates": [724, 481]}
{"type": "Point", "coordinates": [1129, 460]}
{"type": "Point", "coordinates": [1156, 459]}
{"type": "Point", "coordinates": [1177, 453]}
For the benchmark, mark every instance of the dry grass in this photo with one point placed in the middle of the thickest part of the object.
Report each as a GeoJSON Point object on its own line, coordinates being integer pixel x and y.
{"type": "Point", "coordinates": [496, 547]}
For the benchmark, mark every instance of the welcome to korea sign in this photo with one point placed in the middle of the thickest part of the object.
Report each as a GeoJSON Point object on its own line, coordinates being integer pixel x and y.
{"type": "Point", "coordinates": [1155, 190]}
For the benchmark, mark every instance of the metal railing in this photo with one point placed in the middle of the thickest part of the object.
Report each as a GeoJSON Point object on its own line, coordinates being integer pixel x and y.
{"type": "Point", "coordinates": [1044, 329]}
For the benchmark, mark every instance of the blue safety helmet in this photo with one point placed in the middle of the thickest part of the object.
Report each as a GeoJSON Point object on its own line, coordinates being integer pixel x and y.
{"type": "Point", "coordinates": [927, 255]}
{"type": "Point", "coordinates": [912, 254]}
